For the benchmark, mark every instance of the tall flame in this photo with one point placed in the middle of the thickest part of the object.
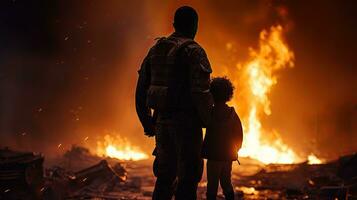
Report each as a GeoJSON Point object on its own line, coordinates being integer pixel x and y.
{"type": "Point", "coordinates": [272, 55]}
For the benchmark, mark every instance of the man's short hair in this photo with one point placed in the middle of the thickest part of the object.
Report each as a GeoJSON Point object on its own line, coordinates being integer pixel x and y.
{"type": "Point", "coordinates": [221, 89]}
{"type": "Point", "coordinates": [185, 18]}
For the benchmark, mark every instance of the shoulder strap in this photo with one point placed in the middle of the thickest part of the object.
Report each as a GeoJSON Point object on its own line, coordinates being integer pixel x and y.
{"type": "Point", "coordinates": [181, 45]}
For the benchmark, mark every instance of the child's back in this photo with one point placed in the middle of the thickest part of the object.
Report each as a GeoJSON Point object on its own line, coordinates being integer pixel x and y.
{"type": "Point", "coordinates": [222, 141]}
{"type": "Point", "coordinates": [224, 135]}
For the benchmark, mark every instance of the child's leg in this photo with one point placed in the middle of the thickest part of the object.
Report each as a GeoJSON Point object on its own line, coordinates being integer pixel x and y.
{"type": "Point", "coordinates": [225, 180]}
{"type": "Point", "coordinates": [213, 174]}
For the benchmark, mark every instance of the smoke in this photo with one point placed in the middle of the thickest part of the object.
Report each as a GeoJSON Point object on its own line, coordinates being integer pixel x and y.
{"type": "Point", "coordinates": [69, 68]}
{"type": "Point", "coordinates": [313, 100]}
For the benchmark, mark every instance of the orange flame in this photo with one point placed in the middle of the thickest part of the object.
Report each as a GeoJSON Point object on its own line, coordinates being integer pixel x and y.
{"type": "Point", "coordinates": [273, 55]}
{"type": "Point", "coordinates": [259, 72]}
{"type": "Point", "coordinates": [120, 148]}
{"type": "Point", "coordinates": [313, 160]}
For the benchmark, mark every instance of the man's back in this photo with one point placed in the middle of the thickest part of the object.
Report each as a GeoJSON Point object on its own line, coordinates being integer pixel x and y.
{"type": "Point", "coordinates": [176, 75]}
{"type": "Point", "coordinates": [169, 75]}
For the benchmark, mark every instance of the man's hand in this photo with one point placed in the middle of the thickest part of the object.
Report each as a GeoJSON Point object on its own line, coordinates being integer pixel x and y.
{"type": "Point", "coordinates": [150, 131]}
{"type": "Point", "coordinates": [149, 134]}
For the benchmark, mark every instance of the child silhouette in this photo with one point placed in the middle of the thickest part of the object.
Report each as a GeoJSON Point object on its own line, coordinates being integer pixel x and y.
{"type": "Point", "coordinates": [222, 141]}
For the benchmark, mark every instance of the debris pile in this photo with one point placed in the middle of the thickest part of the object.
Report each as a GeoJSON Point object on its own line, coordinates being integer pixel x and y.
{"type": "Point", "coordinates": [22, 177]}
{"type": "Point", "coordinates": [21, 174]}
{"type": "Point", "coordinates": [80, 175]}
{"type": "Point", "coordinates": [91, 182]}
{"type": "Point", "coordinates": [333, 180]}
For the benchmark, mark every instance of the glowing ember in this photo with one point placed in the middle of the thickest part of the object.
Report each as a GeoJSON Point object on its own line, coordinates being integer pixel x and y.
{"type": "Point", "coordinates": [247, 190]}
{"type": "Point", "coordinates": [313, 160]}
{"type": "Point", "coordinates": [273, 55]}
{"type": "Point", "coordinates": [120, 148]}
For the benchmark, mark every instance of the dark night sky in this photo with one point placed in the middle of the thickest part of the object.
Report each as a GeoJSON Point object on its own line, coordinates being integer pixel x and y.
{"type": "Point", "coordinates": [68, 68]}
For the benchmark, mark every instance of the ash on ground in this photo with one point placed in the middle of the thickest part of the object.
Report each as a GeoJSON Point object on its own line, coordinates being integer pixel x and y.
{"type": "Point", "coordinates": [81, 175]}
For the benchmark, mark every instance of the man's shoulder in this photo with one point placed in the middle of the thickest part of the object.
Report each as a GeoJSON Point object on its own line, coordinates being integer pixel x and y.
{"type": "Point", "coordinates": [195, 49]}
{"type": "Point", "coordinates": [197, 55]}
{"type": "Point", "coordinates": [189, 44]}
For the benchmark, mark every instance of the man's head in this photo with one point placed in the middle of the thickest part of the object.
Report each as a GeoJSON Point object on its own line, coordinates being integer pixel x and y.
{"type": "Point", "coordinates": [221, 89]}
{"type": "Point", "coordinates": [186, 21]}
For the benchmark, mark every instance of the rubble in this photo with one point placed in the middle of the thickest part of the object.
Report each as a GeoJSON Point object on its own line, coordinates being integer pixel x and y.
{"type": "Point", "coordinates": [94, 181]}
{"type": "Point", "coordinates": [78, 158]}
{"type": "Point", "coordinates": [81, 175]}
{"type": "Point", "coordinates": [21, 174]}
{"type": "Point", "coordinates": [333, 180]}
{"type": "Point", "coordinates": [347, 167]}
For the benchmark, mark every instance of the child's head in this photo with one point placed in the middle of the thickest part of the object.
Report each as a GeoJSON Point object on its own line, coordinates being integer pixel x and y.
{"type": "Point", "coordinates": [221, 89]}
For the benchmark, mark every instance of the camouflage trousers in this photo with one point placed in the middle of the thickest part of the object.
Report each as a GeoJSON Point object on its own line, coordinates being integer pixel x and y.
{"type": "Point", "coordinates": [178, 165]}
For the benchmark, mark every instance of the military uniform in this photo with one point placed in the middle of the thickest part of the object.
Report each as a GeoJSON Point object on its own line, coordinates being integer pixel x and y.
{"type": "Point", "coordinates": [174, 81]}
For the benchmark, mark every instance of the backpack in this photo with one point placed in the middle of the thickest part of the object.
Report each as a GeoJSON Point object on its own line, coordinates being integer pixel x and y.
{"type": "Point", "coordinates": [168, 77]}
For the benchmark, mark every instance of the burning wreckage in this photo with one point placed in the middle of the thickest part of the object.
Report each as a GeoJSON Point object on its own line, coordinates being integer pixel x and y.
{"type": "Point", "coordinates": [274, 172]}
{"type": "Point", "coordinates": [22, 176]}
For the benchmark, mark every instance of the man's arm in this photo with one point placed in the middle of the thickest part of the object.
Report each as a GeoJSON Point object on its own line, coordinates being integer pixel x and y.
{"type": "Point", "coordinates": [200, 70]}
{"type": "Point", "coordinates": [143, 112]}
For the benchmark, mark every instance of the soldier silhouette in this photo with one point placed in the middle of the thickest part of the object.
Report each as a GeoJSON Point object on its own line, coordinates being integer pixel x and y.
{"type": "Point", "coordinates": [174, 83]}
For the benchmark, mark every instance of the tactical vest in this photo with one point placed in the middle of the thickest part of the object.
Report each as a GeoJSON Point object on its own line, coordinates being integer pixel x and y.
{"type": "Point", "coordinates": [169, 77]}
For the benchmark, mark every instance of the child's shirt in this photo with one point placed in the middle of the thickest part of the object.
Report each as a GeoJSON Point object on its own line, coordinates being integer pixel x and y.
{"type": "Point", "coordinates": [224, 135]}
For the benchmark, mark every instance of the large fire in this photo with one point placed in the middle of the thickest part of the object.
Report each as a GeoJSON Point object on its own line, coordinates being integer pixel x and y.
{"type": "Point", "coordinates": [120, 148]}
{"type": "Point", "coordinates": [259, 72]}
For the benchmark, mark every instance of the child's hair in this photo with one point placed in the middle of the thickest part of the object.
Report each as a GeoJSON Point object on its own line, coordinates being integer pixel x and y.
{"type": "Point", "coordinates": [221, 89]}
